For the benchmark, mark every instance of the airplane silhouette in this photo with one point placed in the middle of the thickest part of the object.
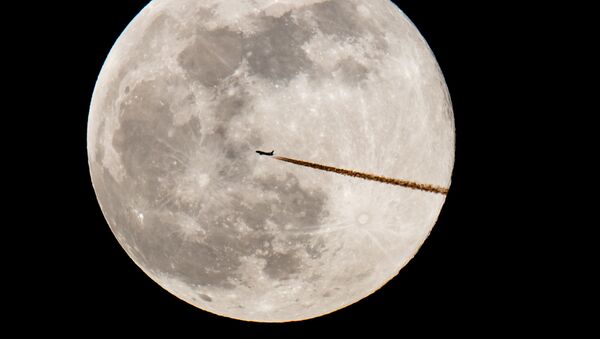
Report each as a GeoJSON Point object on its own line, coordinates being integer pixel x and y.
{"type": "Point", "coordinates": [266, 153]}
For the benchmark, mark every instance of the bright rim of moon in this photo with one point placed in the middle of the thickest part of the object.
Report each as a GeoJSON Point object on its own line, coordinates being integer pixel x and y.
{"type": "Point", "coordinates": [193, 87]}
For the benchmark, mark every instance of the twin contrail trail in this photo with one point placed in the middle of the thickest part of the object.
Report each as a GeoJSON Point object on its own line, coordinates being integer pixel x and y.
{"type": "Point", "coordinates": [367, 176]}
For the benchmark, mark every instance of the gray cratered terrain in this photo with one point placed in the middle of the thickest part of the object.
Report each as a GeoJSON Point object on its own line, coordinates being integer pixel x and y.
{"type": "Point", "coordinates": [193, 87]}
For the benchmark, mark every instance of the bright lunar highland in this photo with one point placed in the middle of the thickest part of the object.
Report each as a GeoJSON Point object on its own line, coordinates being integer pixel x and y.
{"type": "Point", "coordinates": [193, 87]}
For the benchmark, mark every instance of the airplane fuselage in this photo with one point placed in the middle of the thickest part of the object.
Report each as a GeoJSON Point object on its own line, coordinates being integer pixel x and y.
{"type": "Point", "coordinates": [266, 153]}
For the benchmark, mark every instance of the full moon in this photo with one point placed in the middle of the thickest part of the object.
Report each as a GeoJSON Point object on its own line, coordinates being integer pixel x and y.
{"type": "Point", "coordinates": [192, 88]}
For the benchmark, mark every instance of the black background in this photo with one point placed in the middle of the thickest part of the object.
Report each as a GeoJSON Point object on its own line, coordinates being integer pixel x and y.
{"type": "Point", "coordinates": [474, 273]}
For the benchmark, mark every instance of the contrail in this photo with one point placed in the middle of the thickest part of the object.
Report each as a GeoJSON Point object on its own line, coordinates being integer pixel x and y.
{"type": "Point", "coordinates": [367, 176]}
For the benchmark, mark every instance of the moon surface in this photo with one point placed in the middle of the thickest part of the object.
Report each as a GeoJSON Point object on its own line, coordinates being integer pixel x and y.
{"type": "Point", "coordinates": [193, 87]}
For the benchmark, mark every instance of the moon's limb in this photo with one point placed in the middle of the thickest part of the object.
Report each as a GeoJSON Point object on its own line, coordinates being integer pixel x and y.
{"type": "Point", "coordinates": [192, 87]}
